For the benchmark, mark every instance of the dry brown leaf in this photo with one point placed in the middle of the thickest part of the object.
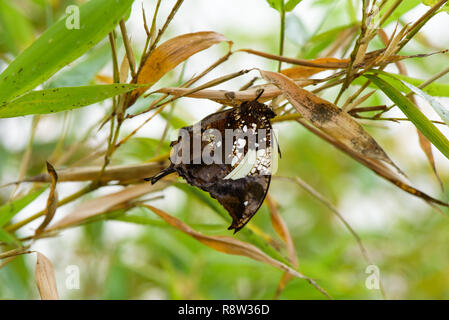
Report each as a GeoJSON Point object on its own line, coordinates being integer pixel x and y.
{"type": "Point", "coordinates": [302, 72]}
{"type": "Point", "coordinates": [231, 245]}
{"type": "Point", "coordinates": [323, 64]}
{"type": "Point", "coordinates": [52, 201]}
{"type": "Point", "coordinates": [171, 53]}
{"type": "Point", "coordinates": [100, 205]}
{"type": "Point", "coordinates": [285, 279]}
{"type": "Point", "coordinates": [378, 167]}
{"type": "Point", "coordinates": [14, 252]}
{"type": "Point", "coordinates": [426, 146]}
{"type": "Point", "coordinates": [370, 59]}
{"type": "Point", "coordinates": [119, 173]}
{"type": "Point", "coordinates": [424, 143]}
{"type": "Point", "coordinates": [282, 230]}
{"type": "Point", "coordinates": [104, 79]}
{"type": "Point", "coordinates": [328, 117]}
{"type": "Point", "coordinates": [124, 70]}
{"type": "Point", "coordinates": [222, 96]}
{"type": "Point", "coordinates": [45, 278]}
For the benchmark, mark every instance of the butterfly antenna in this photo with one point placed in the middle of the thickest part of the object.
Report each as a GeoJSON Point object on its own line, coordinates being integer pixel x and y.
{"type": "Point", "coordinates": [160, 175]}
{"type": "Point", "coordinates": [259, 94]}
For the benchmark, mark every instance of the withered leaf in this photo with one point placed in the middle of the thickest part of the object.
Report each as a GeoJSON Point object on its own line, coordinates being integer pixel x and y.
{"type": "Point", "coordinates": [100, 205]}
{"type": "Point", "coordinates": [124, 70]}
{"type": "Point", "coordinates": [231, 245]}
{"type": "Point", "coordinates": [377, 166]}
{"type": "Point", "coordinates": [52, 201]}
{"type": "Point", "coordinates": [45, 278]}
{"type": "Point", "coordinates": [171, 53]}
{"type": "Point", "coordinates": [270, 91]}
{"type": "Point", "coordinates": [221, 96]}
{"type": "Point", "coordinates": [282, 230]}
{"type": "Point", "coordinates": [119, 173]}
{"type": "Point", "coordinates": [299, 72]}
{"type": "Point", "coordinates": [329, 118]}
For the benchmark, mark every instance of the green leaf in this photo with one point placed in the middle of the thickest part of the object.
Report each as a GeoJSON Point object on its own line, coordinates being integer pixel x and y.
{"type": "Point", "coordinates": [291, 4]}
{"type": "Point", "coordinates": [16, 31]}
{"type": "Point", "coordinates": [83, 72]}
{"type": "Point", "coordinates": [400, 11]}
{"type": "Point", "coordinates": [438, 107]}
{"type": "Point", "coordinates": [61, 99]}
{"type": "Point", "coordinates": [295, 30]}
{"type": "Point", "coordinates": [431, 3]}
{"type": "Point", "coordinates": [59, 46]}
{"type": "Point", "coordinates": [321, 41]}
{"type": "Point", "coordinates": [413, 114]}
{"type": "Point", "coordinates": [276, 4]}
{"type": "Point", "coordinates": [434, 89]}
{"type": "Point", "coordinates": [9, 210]}
{"type": "Point", "coordinates": [139, 149]}
{"type": "Point", "coordinates": [7, 238]}
{"type": "Point", "coordinates": [175, 121]}
{"type": "Point", "coordinates": [142, 104]}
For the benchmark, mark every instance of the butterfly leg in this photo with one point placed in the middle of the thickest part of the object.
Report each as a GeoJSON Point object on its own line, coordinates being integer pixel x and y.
{"type": "Point", "coordinates": [160, 175]}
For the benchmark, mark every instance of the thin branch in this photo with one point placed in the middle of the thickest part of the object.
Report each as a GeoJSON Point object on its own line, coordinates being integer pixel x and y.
{"type": "Point", "coordinates": [128, 49]}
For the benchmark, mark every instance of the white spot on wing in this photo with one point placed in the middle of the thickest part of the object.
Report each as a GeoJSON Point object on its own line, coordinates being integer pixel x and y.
{"type": "Point", "coordinates": [244, 167]}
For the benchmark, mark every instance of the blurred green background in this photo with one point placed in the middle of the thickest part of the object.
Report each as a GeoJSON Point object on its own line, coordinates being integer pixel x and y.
{"type": "Point", "coordinates": [146, 259]}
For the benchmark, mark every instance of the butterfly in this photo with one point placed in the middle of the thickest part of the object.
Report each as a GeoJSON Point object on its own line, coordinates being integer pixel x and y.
{"type": "Point", "coordinates": [232, 158]}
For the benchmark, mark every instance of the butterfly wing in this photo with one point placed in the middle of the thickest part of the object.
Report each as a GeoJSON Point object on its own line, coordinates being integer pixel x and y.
{"type": "Point", "coordinates": [240, 183]}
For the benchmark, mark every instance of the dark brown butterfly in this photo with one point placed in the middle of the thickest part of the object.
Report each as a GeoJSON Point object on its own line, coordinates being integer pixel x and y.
{"type": "Point", "coordinates": [237, 177]}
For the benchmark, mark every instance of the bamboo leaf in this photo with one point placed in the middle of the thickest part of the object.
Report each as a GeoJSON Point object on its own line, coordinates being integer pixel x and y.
{"type": "Point", "coordinates": [103, 204]}
{"type": "Point", "coordinates": [378, 167]}
{"type": "Point", "coordinates": [220, 96]}
{"type": "Point", "coordinates": [84, 71]}
{"type": "Point", "coordinates": [431, 3]}
{"type": "Point", "coordinates": [435, 89]}
{"type": "Point", "coordinates": [59, 46]}
{"type": "Point", "coordinates": [7, 238]}
{"type": "Point", "coordinates": [120, 173]}
{"type": "Point", "coordinates": [300, 72]}
{"type": "Point", "coordinates": [276, 4]}
{"type": "Point", "coordinates": [282, 230]}
{"type": "Point", "coordinates": [231, 245]}
{"type": "Point", "coordinates": [437, 106]}
{"type": "Point", "coordinates": [250, 234]}
{"type": "Point", "coordinates": [9, 210]}
{"type": "Point", "coordinates": [52, 201]}
{"type": "Point", "coordinates": [16, 30]}
{"type": "Point", "coordinates": [413, 114]}
{"type": "Point", "coordinates": [45, 278]}
{"type": "Point", "coordinates": [329, 118]}
{"type": "Point", "coordinates": [291, 4]}
{"type": "Point", "coordinates": [170, 54]}
{"type": "Point", "coordinates": [403, 8]}
{"type": "Point", "coordinates": [61, 99]}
